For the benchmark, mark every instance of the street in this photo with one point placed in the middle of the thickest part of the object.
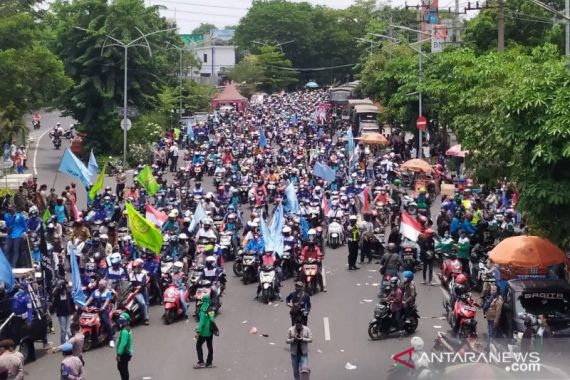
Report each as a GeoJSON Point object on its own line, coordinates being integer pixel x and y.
{"type": "Point", "coordinates": [338, 321]}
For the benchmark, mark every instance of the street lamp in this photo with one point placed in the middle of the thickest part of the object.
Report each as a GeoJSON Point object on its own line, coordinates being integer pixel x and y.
{"type": "Point", "coordinates": [126, 45]}
{"type": "Point", "coordinates": [180, 51]}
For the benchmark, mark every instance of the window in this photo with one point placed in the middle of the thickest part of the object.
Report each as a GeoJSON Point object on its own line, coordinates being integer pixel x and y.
{"type": "Point", "coordinates": [205, 58]}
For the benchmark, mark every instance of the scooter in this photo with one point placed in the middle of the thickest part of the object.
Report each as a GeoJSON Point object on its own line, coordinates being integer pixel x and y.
{"type": "Point", "coordinates": [335, 234]}
{"type": "Point", "coordinates": [36, 124]}
{"type": "Point", "coordinates": [461, 315]}
{"type": "Point", "coordinates": [451, 267]}
{"type": "Point", "coordinates": [56, 142]}
{"type": "Point", "coordinates": [92, 328]}
{"type": "Point", "coordinates": [250, 265]}
{"type": "Point", "coordinates": [228, 250]}
{"type": "Point", "coordinates": [383, 323]}
{"type": "Point", "coordinates": [286, 263]}
{"type": "Point", "coordinates": [268, 283]}
{"type": "Point", "coordinates": [310, 270]}
{"type": "Point", "coordinates": [172, 304]}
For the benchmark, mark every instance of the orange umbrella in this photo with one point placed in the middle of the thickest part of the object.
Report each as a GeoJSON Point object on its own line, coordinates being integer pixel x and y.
{"type": "Point", "coordinates": [527, 252]}
{"type": "Point", "coordinates": [373, 138]}
{"type": "Point", "coordinates": [416, 165]}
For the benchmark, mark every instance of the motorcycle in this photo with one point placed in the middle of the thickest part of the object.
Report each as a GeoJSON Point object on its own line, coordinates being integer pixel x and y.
{"type": "Point", "coordinates": [193, 278]}
{"type": "Point", "coordinates": [410, 205]}
{"type": "Point", "coordinates": [238, 265]}
{"type": "Point", "coordinates": [383, 323]}
{"type": "Point", "coordinates": [250, 265]}
{"type": "Point", "coordinates": [198, 172]}
{"type": "Point", "coordinates": [408, 260]}
{"type": "Point", "coordinates": [210, 168]}
{"type": "Point", "coordinates": [36, 124]}
{"type": "Point", "coordinates": [286, 262]}
{"type": "Point", "coordinates": [205, 288]}
{"type": "Point", "coordinates": [478, 270]}
{"type": "Point", "coordinates": [56, 142]}
{"type": "Point", "coordinates": [310, 270]}
{"type": "Point", "coordinates": [126, 302]}
{"type": "Point", "coordinates": [92, 328]}
{"type": "Point", "coordinates": [451, 267]}
{"type": "Point", "coordinates": [69, 133]}
{"type": "Point", "coordinates": [243, 191]}
{"type": "Point", "coordinates": [228, 250]}
{"type": "Point", "coordinates": [172, 304]}
{"type": "Point", "coordinates": [461, 315]}
{"type": "Point", "coordinates": [335, 234]}
{"type": "Point", "coordinates": [268, 283]}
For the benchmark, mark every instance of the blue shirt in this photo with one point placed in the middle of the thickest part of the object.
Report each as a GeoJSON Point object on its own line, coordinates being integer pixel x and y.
{"type": "Point", "coordinates": [16, 224]}
{"type": "Point", "coordinates": [255, 245]}
{"type": "Point", "coordinates": [99, 297]}
{"type": "Point", "coordinates": [59, 213]}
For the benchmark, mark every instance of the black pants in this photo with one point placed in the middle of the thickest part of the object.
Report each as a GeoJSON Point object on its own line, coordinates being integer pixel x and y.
{"type": "Point", "coordinates": [123, 366]}
{"type": "Point", "coordinates": [352, 253]}
{"type": "Point", "coordinates": [366, 251]}
{"type": "Point", "coordinates": [427, 264]}
{"type": "Point", "coordinates": [173, 163]}
{"type": "Point", "coordinates": [120, 189]}
{"type": "Point", "coordinates": [199, 343]}
{"type": "Point", "coordinates": [465, 265]}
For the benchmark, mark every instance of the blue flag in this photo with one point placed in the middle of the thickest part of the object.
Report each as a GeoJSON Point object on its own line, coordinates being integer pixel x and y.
{"type": "Point", "coordinates": [92, 166]}
{"type": "Point", "coordinates": [292, 204]}
{"type": "Point", "coordinates": [77, 293]}
{"type": "Point", "coordinates": [304, 228]}
{"type": "Point", "coordinates": [190, 130]}
{"type": "Point", "coordinates": [350, 141]}
{"type": "Point", "coordinates": [323, 171]}
{"type": "Point", "coordinates": [199, 214]}
{"type": "Point", "coordinates": [265, 233]}
{"type": "Point", "coordinates": [6, 274]}
{"type": "Point", "coordinates": [277, 222]}
{"type": "Point", "coordinates": [262, 138]}
{"type": "Point", "coordinates": [71, 165]}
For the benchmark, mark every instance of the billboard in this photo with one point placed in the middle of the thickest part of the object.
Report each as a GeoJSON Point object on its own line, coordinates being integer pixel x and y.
{"type": "Point", "coordinates": [222, 34]}
{"type": "Point", "coordinates": [191, 39]}
{"type": "Point", "coordinates": [439, 37]}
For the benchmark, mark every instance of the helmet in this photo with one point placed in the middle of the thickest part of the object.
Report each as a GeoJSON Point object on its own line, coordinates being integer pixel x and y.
{"type": "Point", "coordinates": [210, 259]}
{"type": "Point", "coordinates": [429, 232]}
{"type": "Point", "coordinates": [352, 217]}
{"type": "Point", "coordinates": [33, 210]}
{"type": "Point", "coordinates": [408, 275]}
{"type": "Point", "coordinates": [104, 237]}
{"type": "Point", "coordinates": [286, 230]}
{"type": "Point", "coordinates": [312, 233]}
{"type": "Point", "coordinates": [460, 290]}
{"type": "Point", "coordinates": [178, 265]}
{"type": "Point", "coordinates": [183, 236]}
{"type": "Point", "coordinates": [422, 190]}
{"type": "Point", "coordinates": [391, 247]}
{"type": "Point", "coordinates": [417, 343]}
{"type": "Point", "coordinates": [138, 263]}
{"type": "Point", "coordinates": [115, 258]}
{"type": "Point", "coordinates": [461, 279]}
{"type": "Point", "coordinates": [393, 281]}
{"type": "Point", "coordinates": [90, 267]}
{"type": "Point", "coordinates": [397, 182]}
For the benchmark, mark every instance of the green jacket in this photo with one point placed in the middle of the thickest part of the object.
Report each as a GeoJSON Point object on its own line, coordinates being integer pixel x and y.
{"type": "Point", "coordinates": [463, 248]}
{"type": "Point", "coordinates": [206, 318]}
{"type": "Point", "coordinates": [125, 342]}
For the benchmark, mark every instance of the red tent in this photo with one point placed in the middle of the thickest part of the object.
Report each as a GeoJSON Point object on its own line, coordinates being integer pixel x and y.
{"type": "Point", "coordinates": [230, 96]}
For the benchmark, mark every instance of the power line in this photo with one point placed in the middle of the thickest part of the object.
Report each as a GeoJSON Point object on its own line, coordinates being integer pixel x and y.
{"type": "Point", "coordinates": [311, 68]}
{"type": "Point", "coordinates": [200, 13]}
{"type": "Point", "coordinates": [201, 5]}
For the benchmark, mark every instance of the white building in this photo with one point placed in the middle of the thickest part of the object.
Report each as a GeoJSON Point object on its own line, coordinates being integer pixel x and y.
{"type": "Point", "coordinates": [214, 60]}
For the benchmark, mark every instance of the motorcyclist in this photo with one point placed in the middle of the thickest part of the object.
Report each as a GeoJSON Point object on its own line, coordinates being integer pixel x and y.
{"type": "Point", "coordinates": [255, 244]}
{"type": "Point", "coordinates": [232, 225]}
{"type": "Point", "coordinates": [115, 272]}
{"type": "Point", "coordinates": [198, 189]}
{"type": "Point", "coordinates": [138, 278]}
{"type": "Point", "coordinates": [312, 251]}
{"type": "Point", "coordinates": [101, 298]}
{"type": "Point", "coordinates": [34, 220]}
{"type": "Point", "coordinates": [299, 303]}
{"type": "Point", "coordinates": [171, 226]}
{"type": "Point", "coordinates": [458, 289]}
{"type": "Point", "coordinates": [206, 231]}
{"type": "Point", "coordinates": [269, 260]}
{"type": "Point", "coordinates": [395, 299]}
{"type": "Point", "coordinates": [427, 255]}
{"type": "Point", "coordinates": [179, 278]}
{"type": "Point", "coordinates": [390, 264]}
{"type": "Point", "coordinates": [409, 292]}
{"type": "Point", "coordinates": [151, 264]}
{"type": "Point", "coordinates": [215, 275]}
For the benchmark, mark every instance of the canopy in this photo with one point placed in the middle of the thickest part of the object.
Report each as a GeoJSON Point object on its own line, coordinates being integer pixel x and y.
{"type": "Point", "coordinates": [416, 165]}
{"type": "Point", "coordinates": [527, 252]}
{"type": "Point", "coordinates": [373, 138]}
{"type": "Point", "coordinates": [229, 96]}
{"type": "Point", "coordinates": [311, 84]}
{"type": "Point", "coordinates": [355, 102]}
{"type": "Point", "coordinates": [456, 151]}
{"type": "Point", "coordinates": [366, 108]}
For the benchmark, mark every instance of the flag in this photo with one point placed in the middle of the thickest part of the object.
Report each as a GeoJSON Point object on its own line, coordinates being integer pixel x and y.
{"type": "Point", "coordinates": [92, 165]}
{"type": "Point", "coordinates": [190, 130]}
{"type": "Point", "coordinates": [364, 200]}
{"type": "Point", "coordinates": [153, 215]}
{"type": "Point", "coordinates": [6, 274]}
{"type": "Point", "coordinates": [176, 133]}
{"type": "Point", "coordinates": [304, 228]}
{"type": "Point", "coordinates": [265, 233]}
{"type": "Point", "coordinates": [409, 227]}
{"type": "Point", "coordinates": [199, 214]}
{"type": "Point", "coordinates": [323, 171]}
{"type": "Point", "coordinates": [46, 216]}
{"type": "Point", "coordinates": [98, 185]}
{"type": "Point", "coordinates": [262, 138]}
{"type": "Point", "coordinates": [71, 165]}
{"type": "Point", "coordinates": [147, 180]}
{"type": "Point", "coordinates": [77, 292]}
{"type": "Point", "coordinates": [350, 142]}
{"type": "Point", "coordinates": [277, 222]}
{"type": "Point", "coordinates": [144, 233]}
{"type": "Point", "coordinates": [292, 204]}
{"type": "Point", "coordinates": [325, 205]}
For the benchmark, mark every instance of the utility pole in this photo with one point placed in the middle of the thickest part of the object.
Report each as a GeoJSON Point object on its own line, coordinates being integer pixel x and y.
{"type": "Point", "coordinates": [180, 52]}
{"type": "Point", "coordinates": [567, 14]}
{"type": "Point", "coordinates": [456, 24]}
{"type": "Point", "coordinates": [501, 27]}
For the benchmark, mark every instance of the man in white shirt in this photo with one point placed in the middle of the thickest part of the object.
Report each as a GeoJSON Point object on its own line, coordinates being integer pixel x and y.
{"type": "Point", "coordinates": [173, 152]}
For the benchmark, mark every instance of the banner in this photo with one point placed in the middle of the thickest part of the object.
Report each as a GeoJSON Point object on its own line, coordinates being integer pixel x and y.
{"type": "Point", "coordinates": [77, 292]}
{"type": "Point", "coordinates": [199, 214]}
{"type": "Point", "coordinates": [144, 233]}
{"type": "Point", "coordinates": [292, 202]}
{"type": "Point", "coordinates": [147, 180]}
{"type": "Point", "coordinates": [72, 166]}
{"type": "Point", "coordinates": [324, 172]}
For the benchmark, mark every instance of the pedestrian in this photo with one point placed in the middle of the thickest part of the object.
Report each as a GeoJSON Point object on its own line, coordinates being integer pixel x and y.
{"type": "Point", "coordinates": [63, 307]}
{"type": "Point", "coordinates": [77, 340]}
{"type": "Point", "coordinates": [121, 179]}
{"type": "Point", "coordinates": [204, 333]}
{"type": "Point", "coordinates": [71, 365]}
{"type": "Point", "coordinates": [11, 360]}
{"type": "Point", "coordinates": [367, 239]}
{"type": "Point", "coordinates": [353, 241]}
{"type": "Point", "coordinates": [299, 337]}
{"type": "Point", "coordinates": [173, 153]}
{"type": "Point", "coordinates": [124, 345]}
{"type": "Point", "coordinates": [492, 308]}
{"type": "Point", "coordinates": [17, 226]}
{"type": "Point", "coordinates": [427, 255]}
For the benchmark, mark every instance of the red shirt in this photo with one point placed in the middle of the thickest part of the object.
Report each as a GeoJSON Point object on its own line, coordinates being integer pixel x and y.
{"type": "Point", "coordinates": [311, 252]}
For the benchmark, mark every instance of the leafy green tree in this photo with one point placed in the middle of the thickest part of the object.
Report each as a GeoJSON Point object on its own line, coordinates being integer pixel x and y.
{"type": "Point", "coordinates": [204, 28]}
{"type": "Point", "coordinates": [81, 30]}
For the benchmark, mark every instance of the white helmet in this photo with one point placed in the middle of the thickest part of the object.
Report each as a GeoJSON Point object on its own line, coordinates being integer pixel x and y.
{"type": "Point", "coordinates": [352, 217]}
{"type": "Point", "coordinates": [178, 265]}
{"type": "Point", "coordinates": [115, 258]}
{"type": "Point", "coordinates": [104, 237]}
{"type": "Point", "coordinates": [183, 236]}
{"type": "Point", "coordinates": [210, 259]}
{"type": "Point", "coordinates": [286, 230]}
{"type": "Point", "coordinates": [33, 209]}
{"type": "Point", "coordinates": [312, 232]}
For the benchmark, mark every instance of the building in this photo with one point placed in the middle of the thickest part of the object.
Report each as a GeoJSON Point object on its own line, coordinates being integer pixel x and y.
{"type": "Point", "coordinates": [214, 60]}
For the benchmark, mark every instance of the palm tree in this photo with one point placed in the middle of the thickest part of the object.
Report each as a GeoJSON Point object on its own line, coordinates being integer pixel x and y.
{"type": "Point", "coordinates": [12, 125]}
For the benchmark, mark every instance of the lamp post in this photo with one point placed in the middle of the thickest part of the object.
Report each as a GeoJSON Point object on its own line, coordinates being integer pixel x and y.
{"type": "Point", "coordinates": [180, 50]}
{"type": "Point", "coordinates": [125, 123]}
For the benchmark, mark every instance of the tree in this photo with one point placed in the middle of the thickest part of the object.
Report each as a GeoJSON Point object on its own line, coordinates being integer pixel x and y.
{"type": "Point", "coordinates": [97, 71]}
{"type": "Point", "coordinates": [204, 28]}
{"type": "Point", "coordinates": [31, 75]}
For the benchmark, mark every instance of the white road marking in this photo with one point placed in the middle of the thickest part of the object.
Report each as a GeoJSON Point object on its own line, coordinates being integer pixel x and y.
{"type": "Point", "coordinates": [36, 150]}
{"type": "Point", "coordinates": [327, 328]}
{"type": "Point", "coordinates": [324, 274]}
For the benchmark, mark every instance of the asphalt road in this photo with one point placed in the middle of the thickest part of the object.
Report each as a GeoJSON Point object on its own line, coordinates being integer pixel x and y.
{"type": "Point", "coordinates": [338, 321]}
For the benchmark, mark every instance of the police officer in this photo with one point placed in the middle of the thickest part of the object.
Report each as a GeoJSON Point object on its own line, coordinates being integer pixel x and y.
{"type": "Point", "coordinates": [353, 241]}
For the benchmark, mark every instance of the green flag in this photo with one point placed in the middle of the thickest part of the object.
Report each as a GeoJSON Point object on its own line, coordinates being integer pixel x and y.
{"type": "Point", "coordinates": [147, 180]}
{"type": "Point", "coordinates": [176, 133]}
{"type": "Point", "coordinates": [145, 234]}
{"type": "Point", "coordinates": [46, 215]}
{"type": "Point", "coordinates": [98, 185]}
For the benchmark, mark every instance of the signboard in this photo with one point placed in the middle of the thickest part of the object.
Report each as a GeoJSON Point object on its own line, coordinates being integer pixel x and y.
{"type": "Point", "coordinates": [132, 111]}
{"type": "Point", "coordinates": [222, 34]}
{"type": "Point", "coordinates": [126, 123]}
{"type": "Point", "coordinates": [447, 189]}
{"type": "Point", "coordinates": [439, 37]}
{"type": "Point", "coordinates": [421, 123]}
{"type": "Point", "coordinates": [191, 39]}
{"type": "Point", "coordinates": [6, 164]}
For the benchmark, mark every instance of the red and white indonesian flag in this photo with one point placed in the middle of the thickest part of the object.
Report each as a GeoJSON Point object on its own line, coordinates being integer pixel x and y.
{"type": "Point", "coordinates": [154, 216]}
{"type": "Point", "coordinates": [325, 205]}
{"type": "Point", "coordinates": [364, 200]}
{"type": "Point", "coordinates": [409, 227]}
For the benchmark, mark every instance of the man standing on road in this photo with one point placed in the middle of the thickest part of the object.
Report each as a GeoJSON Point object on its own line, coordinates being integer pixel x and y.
{"type": "Point", "coordinates": [11, 360]}
{"type": "Point", "coordinates": [16, 227]}
{"type": "Point", "coordinates": [204, 333]}
{"type": "Point", "coordinates": [173, 152]}
{"type": "Point", "coordinates": [124, 346]}
{"type": "Point", "coordinates": [121, 178]}
{"type": "Point", "coordinates": [353, 241]}
{"type": "Point", "coordinates": [300, 303]}
{"type": "Point", "coordinates": [299, 337]}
